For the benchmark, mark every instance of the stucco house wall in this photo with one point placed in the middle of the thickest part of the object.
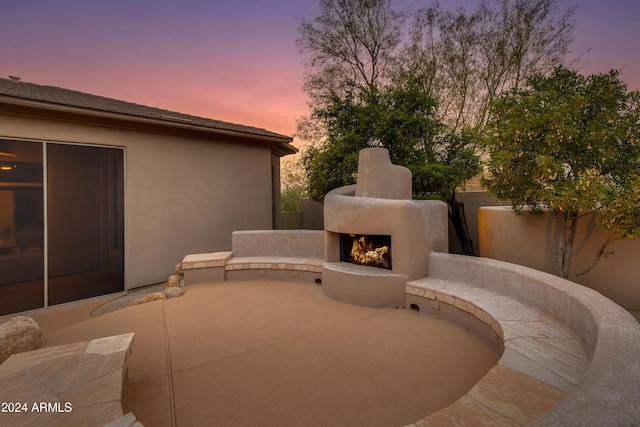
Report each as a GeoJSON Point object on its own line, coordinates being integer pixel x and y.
{"type": "Point", "coordinates": [186, 189]}
{"type": "Point", "coordinates": [189, 200]}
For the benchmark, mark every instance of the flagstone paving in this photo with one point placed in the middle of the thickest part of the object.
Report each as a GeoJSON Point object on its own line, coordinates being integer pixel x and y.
{"type": "Point", "coordinates": [69, 385]}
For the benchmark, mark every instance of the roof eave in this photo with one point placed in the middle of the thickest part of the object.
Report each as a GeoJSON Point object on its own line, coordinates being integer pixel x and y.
{"type": "Point", "coordinates": [284, 150]}
{"type": "Point", "coordinates": [77, 114]}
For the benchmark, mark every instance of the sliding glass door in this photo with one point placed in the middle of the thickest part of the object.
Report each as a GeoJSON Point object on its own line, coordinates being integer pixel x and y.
{"type": "Point", "coordinates": [84, 222]}
{"type": "Point", "coordinates": [72, 246]}
{"type": "Point", "coordinates": [21, 226]}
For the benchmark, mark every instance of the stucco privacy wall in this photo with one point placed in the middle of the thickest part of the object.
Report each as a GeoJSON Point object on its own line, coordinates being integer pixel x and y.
{"type": "Point", "coordinates": [472, 201]}
{"type": "Point", "coordinates": [183, 195]}
{"type": "Point", "coordinates": [532, 241]}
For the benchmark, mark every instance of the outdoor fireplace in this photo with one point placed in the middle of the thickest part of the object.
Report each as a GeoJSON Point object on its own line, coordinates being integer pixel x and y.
{"type": "Point", "coordinates": [366, 249]}
{"type": "Point", "coordinates": [360, 265]}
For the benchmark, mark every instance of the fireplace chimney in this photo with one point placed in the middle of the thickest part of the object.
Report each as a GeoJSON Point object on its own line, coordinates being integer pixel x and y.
{"type": "Point", "coordinates": [381, 179]}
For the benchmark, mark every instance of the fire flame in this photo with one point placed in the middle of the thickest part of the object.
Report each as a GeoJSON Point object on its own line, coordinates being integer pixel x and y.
{"type": "Point", "coordinates": [365, 253]}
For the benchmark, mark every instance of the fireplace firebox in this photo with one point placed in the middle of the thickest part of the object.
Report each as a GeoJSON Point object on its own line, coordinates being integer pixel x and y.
{"type": "Point", "coordinates": [366, 249]}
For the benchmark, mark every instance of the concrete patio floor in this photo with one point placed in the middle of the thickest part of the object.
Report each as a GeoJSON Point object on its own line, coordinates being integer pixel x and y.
{"type": "Point", "coordinates": [277, 354]}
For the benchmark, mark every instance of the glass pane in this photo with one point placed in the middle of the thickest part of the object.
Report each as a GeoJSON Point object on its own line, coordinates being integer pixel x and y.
{"type": "Point", "coordinates": [85, 196]}
{"type": "Point", "coordinates": [21, 226]}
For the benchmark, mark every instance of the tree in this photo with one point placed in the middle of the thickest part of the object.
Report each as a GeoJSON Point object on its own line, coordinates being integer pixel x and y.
{"type": "Point", "coordinates": [349, 46]}
{"type": "Point", "coordinates": [402, 120]}
{"type": "Point", "coordinates": [472, 56]}
{"type": "Point", "coordinates": [422, 91]}
{"type": "Point", "coordinates": [464, 58]}
{"type": "Point", "coordinates": [294, 184]}
{"type": "Point", "coordinates": [569, 144]}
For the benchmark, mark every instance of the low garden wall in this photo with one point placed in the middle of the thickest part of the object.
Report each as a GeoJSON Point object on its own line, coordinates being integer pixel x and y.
{"type": "Point", "coordinates": [610, 389]}
{"type": "Point", "coordinates": [532, 241]}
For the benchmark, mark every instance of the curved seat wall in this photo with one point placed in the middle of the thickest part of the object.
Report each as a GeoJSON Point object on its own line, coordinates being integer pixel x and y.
{"type": "Point", "coordinates": [610, 389]}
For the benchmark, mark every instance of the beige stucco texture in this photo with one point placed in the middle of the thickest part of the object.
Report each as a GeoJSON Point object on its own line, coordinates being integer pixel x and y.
{"type": "Point", "coordinates": [532, 241]}
{"type": "Point", "coordinates": [379, 178]}
{"type": "Point", "coordinates": [183, 194]}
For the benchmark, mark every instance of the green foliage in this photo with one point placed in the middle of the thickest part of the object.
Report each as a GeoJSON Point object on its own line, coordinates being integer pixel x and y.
{"type": "Point", "coordinates": [290, 199]}
{"type": "Point", "coordinates": [293, 181]}
{"type": "Point", "coordinates": [400, 119]}
{"type": "Point", "coordinates": [327, 168]}
{"type": "Point", "coordinates": [453, 163]}
{"type": "Point", "coordinates": [570, 144]}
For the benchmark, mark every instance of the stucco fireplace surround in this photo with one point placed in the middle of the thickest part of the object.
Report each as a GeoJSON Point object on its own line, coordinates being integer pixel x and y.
{"type": "Point", "coordinates": [379, 206]}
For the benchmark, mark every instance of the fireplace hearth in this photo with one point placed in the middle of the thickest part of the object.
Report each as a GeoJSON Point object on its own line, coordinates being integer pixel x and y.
{"type": "Point", "coordinates": [366, 249]}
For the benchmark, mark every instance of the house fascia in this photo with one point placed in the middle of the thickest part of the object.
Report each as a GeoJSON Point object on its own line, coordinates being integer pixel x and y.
{"type": "Point", "coordinates": [279, 144]}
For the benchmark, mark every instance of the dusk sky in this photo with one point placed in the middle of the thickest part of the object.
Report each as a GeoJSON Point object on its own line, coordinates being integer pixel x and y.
{"type": "Point", "coordinates": [232, 60]}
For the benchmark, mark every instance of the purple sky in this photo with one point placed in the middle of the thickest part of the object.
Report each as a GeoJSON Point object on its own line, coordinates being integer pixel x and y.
{"type": "Point", "coordinates": [232, 60]}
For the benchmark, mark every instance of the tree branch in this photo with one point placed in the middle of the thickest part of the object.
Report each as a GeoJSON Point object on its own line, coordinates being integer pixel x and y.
{"type": "Point", "coordinates": [601, 251]}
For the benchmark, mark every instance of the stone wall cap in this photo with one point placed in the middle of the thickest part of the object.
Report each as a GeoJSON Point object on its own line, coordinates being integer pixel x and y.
{"type": "Point", "coordinates": [213, 259]}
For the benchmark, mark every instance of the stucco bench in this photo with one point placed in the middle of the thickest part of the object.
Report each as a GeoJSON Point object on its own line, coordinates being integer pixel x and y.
{"type": "Point", "coordinates": [541, 360]}
{"type": "Point", "coordinates": [74, 384]}
{"type": "Point", "coordinates": [221, 266]}
{"type": "Point", "coordinates": [604, 392]}
{"type": "Point", "coordinates": [274, 268]}
{"type": "Point", "coordinates": [257, 254]}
